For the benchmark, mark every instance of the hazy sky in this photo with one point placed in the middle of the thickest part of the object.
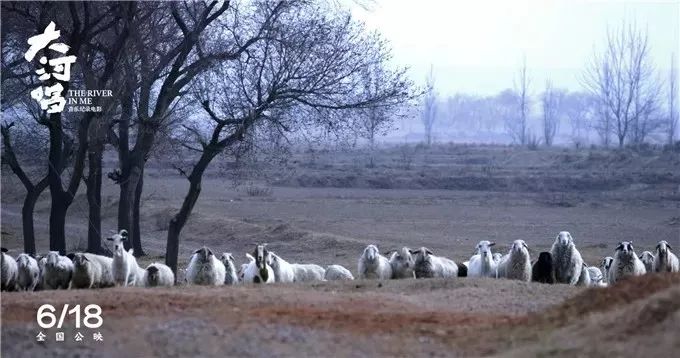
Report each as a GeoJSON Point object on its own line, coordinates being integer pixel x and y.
{"type": "Point", "coordinates": [476, 46]}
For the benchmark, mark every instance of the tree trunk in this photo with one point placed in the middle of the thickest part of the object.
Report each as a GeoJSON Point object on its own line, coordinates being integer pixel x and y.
{"type": "Point", "coordinates": [180, 219]}
{"type": "Point", "coordinates": [136, 232]}
{"type": "Point", "coordinates": [57, 226]}
{"type": "Point", "coordinates": [94, 199]}
{"type": "Point", "coordinates": [27, 216]}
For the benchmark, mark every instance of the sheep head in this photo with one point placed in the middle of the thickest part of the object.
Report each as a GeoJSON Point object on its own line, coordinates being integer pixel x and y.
{"type": "Point", "coordinates": [663, 247]}
{"type": "Point", "coordinates": [371, 253]}
{"type": "Point", "coordinates": [262, 259]}
{"type": "Point", "coordinates": [626, 248]}
{"type": "Point", "coordinates": [404, 258]}
{"type": "Point", "coordinates": [520, 246]}
{"type": "Point", "coordinates": [564, 238]}
{"type": "Point", "coordinates": [607, 262]}
{"type": "Point", "coordinates": [52, 258]}
{"type": "Point", "coordinates": [484, 247]}
{"type": "Point", "coordinates": [204, 254]}
{"type": "Point", "coordinates": [80, 261]}
{"type": "Point", "coordinates": [118, 239]}
{"type": "Point", "coordinates": [152, 272]}
{"type": "Point", "coordinates": [23, 260]}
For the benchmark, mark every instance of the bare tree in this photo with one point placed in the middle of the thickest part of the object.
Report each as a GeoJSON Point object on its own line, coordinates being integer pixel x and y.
{"type": "Point", "coordinates": [550, 102]}
{"type": "Point", "coordinates": [622, 79]}
{"type": "Point", "coordinates": [516, 124]}
{"type": "Point", "coordinates": [672, 121]}
{"type": "Point", "coordinates": [429, 115]}
{"type": "Point", "coordinates": [305, 71]}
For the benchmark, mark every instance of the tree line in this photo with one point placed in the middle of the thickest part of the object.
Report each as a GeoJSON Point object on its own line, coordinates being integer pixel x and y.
{"type": "Point", "coordinates": [206, 77]}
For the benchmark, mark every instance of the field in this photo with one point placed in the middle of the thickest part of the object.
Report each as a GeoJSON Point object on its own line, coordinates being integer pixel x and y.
{"type": "Point", "coordinates": [327, 205]}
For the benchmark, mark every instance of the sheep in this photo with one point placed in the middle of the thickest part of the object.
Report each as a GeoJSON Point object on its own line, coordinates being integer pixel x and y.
{"type": "Point", "coordinates": [373, 265]}
{"type": "Point", "coordinates": [606, 265]}
{"type": "Point", "coordinates": [596, 277]}
{"type": "Point", "coordinates": [516, 264]}
{"type": "Point", "coordinates": [664, 259]}
{"type": "Point", "coordinates": [462, 269]}
{"type": "Point", "coordinates": [259, 270]}
{"type": "Point", "coordinates": [28, 272]}
{"type": "Point", "coordinates": [308, 272]}
{"type": "Point", "coordinates": [205, 269]}
{"type": "Point", "coordinates": [230, 277]}
{"type": "Point", "coordinates": [428, 265]}
{"type": "Point", "coordinates": [402, 264]}
{"type": "Point", "coordinates": [625, 263]}
{"type": "Point", "coordinates": [337, 273]}
{"type": "Point", "coordinates": [647, 259]}
{"type": "Point", "coordinates": [57, 272]}
{"type": "Point", "coordinates": [543, 270]}
{"type": "Point", "coordinates": [283, 270]}
{"type": "Point", "coordinates": [567, 261]}
{"type": "Point", "coordinates": [584, 278]}
{"type": "Point", "coordinates": [42, 260]}
{"type": "Point", "coordinates": [482, 264]}
{"type": "Point", "coordinates": [497, 257]}
{"type": "Point", "coordinates": [158, 274]}
{"type": "Point", "coordinates": [242, 270]}
{"type": "Point", "coordinates": [10, 271]}
{"type": "Point", "coordinates": [91, 271]}
{"type": "Point", "coordinates": [125, 269]}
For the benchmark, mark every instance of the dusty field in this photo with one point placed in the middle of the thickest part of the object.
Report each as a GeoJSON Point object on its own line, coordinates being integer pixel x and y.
{"type": "Point", "coordinates": [330, 205]}
{"type": "Point", "coordinates": [394, 318]}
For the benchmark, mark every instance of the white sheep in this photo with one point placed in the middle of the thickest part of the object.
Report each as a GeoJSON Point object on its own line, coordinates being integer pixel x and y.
{"type": "Point", "coordinates": [28, 272]}
{"type": "Point", "coordinates": [497, 257]}
{"type": "Point", "coordinates": [42, 260]}
{"type": "Point", "coordinates": [647, 259]}
{"type": "Point", "coordinates": [91, 271]}
{"type": "Point", "coordinates": [664, 259]}
{"type": "Point", "coordinates": [482, 264]}
{"type": "Point", "coordinates": [626, 263]}
{"type": "Point", "coordinates": [125, 269]}
{"type": "Point", "coordinates": [402, 264]}
{"type": "Point", "coordinates": [605, 265]}
{"type": "Point", "coordinates": [259, 270]}
{"type": "Point", "coordinates": [516, 264]}
{"type": "Point", "coordinates": [230, 276]}
{"type": "Point", "coordinates": [205, 269]}
{"type": "Point", "coordinates": [57, 272]}
{"type": "Point", "coordinates": [428, 265]}
{"type": "Point", "coordinates": [158, 274]}
{"type": "Point", "coordinates": [283, 270]}
{"type": "Point", "coordinates": [337, 273]}
{"type": "Point", "coordinates": [567, 260]}
{"type": "Point", "coordinates": [373, 265]}
{"type": "Point", "coordinates": [308, 272]}
{"type": "Point", "coordinates": [596, 277]}
{"type": "Point", "coordinates": [584, 278]}
{"type": "Point", "coordinates": [10, 271]}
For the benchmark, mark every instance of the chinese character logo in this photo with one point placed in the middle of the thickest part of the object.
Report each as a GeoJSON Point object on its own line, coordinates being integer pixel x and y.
{"type": "Point", "coordinates": [50, 97]}
{"type": "Point", "coordinates": [97, 337]}
{"type": "Point", "coordinates": [41, 337]}
{"type": "Point", "coordinates": [79, 337]}
{"type": "Point", "coordinates": [59, 336]}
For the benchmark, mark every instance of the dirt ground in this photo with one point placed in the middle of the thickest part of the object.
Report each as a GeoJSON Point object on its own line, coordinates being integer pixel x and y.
{"type": "Point", "coordinates": [435, 317]}
{"type": "Point", "coordinates": [331, 205]}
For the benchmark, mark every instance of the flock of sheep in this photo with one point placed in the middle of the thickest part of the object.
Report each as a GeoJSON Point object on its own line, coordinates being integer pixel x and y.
{"type": "Point", "coordinates": [563, 264]}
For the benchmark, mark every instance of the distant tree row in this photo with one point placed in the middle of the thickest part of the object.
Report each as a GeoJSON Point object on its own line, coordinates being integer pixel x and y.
{"type": "Point", "coordinates": [625, 100]}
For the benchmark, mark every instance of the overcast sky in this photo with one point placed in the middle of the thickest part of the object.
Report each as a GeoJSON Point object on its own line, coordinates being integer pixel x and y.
{"type": "Point", "coordinates": [476, 46]}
